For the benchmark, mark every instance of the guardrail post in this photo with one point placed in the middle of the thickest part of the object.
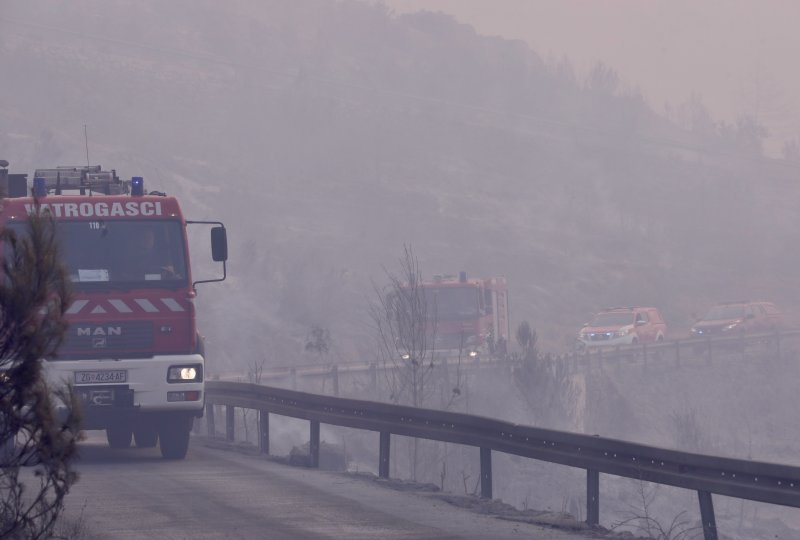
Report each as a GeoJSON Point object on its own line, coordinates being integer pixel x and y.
{"type": "Point", "coordinates": [373, 378]}
{"type": "Point", "coordinates": [263, 431]}
{"type": "Point", "coordinates": [708, 350]}
{"type": "Point", "coordinates": [744, 345]}
{"type": "Point", "coordinates": [707, 515]}
{"type": "Point", "coordinates": [229, 421]}
{"type": "Point", "coordinates": [644, 357]}
{"type": "Point", "coordinates": [592, 497]}
{"type": "Point", "coordinates": [293, 377]}
{"type": "Point", "coordinates": [486, 473]}
{"type": "Point", "coordinates": [677, 353]}
{"type": "Point", "coordinates": [211, 430]}
{"type": "Point", "coordinates": [600, 359]}
{"type": "Point", "coordinates": [313, 445]}
{"type": "Point", "coordinates": [506, 363]}
{"type": "Point", "coordinates": [778, 344]}
{"type": "Point", "coordinates": [335, 377]}
{"type": "Point", "coordinates": [383, 455]}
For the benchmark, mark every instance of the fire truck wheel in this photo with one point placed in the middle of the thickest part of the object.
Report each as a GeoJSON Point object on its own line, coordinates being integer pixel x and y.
{"type": "Point", "coordinates": [174, 437]}
{"type": "Point", "coordinates": [145, 437]}
{"type": "Point", "coordinates": [119, 436]}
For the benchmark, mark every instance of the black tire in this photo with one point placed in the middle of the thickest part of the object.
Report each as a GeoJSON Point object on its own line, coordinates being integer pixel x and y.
{"type": "Point", "coordinates": [119, 436]}
{"type": "Point", "coordinates": [635, 341]}
{"type": "Point", "coordinates": [660, 339]}
{"type": "Point", "coordinates": [145, 437]}
{"type": "Point", "coordinates": [174, 437]}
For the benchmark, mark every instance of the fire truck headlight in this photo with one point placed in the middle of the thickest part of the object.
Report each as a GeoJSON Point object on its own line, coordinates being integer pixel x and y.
{"type": "Point", "coordinates": [189, 373]}
{"type": "Point", "coordinates": [473, 354]}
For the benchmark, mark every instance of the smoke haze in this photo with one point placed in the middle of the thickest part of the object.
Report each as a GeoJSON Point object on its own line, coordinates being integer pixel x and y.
{"type": "Point", "coordinates": [735, 55]}
{"type": "Point", "coordinates": [328, 135]}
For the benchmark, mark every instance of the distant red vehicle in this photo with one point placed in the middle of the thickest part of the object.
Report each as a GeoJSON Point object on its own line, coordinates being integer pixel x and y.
{"type": "Point", "coordinates": [471, 315]}
{"type": "Point", "coordinates": [623, 326]}
{"type": "Point", "coordinates": [741, 317]}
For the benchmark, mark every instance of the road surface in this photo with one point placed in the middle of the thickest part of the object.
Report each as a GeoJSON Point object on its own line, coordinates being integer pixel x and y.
{"type": "Point", "coordinates": [224, 494]}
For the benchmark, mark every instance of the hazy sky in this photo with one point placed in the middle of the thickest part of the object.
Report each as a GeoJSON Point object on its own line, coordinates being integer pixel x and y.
{"type": "Point", "coordinates": [740, 56]}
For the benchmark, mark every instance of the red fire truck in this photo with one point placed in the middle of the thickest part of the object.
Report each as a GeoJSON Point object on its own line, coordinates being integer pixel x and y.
{"type": "Point", "coordinates": [132, 353]}
{"type": "Point", "coordinates": [471, 314]}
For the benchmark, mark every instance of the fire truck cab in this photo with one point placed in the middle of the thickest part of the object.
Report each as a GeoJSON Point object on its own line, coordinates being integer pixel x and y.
{"type": "Point", "coordinates": [131, 353]}
{"type": "Point", "coordinates": [471, 315]}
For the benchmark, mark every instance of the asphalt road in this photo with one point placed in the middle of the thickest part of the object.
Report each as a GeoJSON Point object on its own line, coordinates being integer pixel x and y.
{"type": "Point", "coordinates": [223, 494]}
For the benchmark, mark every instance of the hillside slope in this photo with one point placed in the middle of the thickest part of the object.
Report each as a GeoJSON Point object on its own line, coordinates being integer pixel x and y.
{"type": "Point", "coordinates": [328, 134]}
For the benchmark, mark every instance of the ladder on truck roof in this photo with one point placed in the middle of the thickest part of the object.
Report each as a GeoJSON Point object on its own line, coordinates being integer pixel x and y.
{"type": "Point", "coordinates": [91, 177]}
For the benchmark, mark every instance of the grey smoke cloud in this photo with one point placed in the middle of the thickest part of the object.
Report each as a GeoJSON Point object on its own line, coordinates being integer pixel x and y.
{"type": "Point", "coordinates": [736, 55]}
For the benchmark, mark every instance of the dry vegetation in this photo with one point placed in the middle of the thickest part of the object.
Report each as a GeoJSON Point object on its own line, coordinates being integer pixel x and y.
{"type": "Point", "coordinates": [38, 444]}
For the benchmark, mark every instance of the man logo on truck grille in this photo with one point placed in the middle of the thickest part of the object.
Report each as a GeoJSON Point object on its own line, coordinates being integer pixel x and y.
{"type": "Point", "coordinates": [101, 337]}
{"type": "Point", "coordinates": [100, 331]}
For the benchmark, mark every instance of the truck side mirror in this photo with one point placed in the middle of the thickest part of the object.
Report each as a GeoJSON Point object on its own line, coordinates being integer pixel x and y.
{"type": "Point", "coordinates": [219, 248]}
{"type": "Point", "coordinates": [219, 244]}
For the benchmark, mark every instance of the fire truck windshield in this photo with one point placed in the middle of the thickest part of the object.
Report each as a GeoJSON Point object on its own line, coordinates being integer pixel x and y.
{"type": "Point", "coordinates": [121, 253]}
{"type": "Point", "coordinates": [453, 302]}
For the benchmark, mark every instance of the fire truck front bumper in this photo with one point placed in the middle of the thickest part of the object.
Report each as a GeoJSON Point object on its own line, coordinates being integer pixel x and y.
{"type": "Point", "coordinates": [168, 383]}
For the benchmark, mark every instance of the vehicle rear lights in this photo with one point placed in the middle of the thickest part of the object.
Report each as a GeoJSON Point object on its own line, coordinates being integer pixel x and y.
{"type": "Point", "coordinates": [137, 186]}
{"type": "Point", "coordinates": [187, 373]}
{"type": "Point", "coordinates": [191, 395]}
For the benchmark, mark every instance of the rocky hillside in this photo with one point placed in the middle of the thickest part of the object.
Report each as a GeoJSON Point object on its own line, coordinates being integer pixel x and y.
{"type": "Point", "coordinates": [328, 134]}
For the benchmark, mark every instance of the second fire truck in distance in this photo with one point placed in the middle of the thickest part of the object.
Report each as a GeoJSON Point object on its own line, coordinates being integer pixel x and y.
{"type": "Point", "coordinates": [471, 314]}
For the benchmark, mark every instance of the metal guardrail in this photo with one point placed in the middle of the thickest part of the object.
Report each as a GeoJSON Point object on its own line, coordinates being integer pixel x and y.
{"type": "Point", "coordinates": [676, 351]}
{"type": "Point", "coordinates": [706, 347]}
{"type": "Point", "coordinates": [334, 369]}
{"type": "Point", "coordinates": [751, 480]}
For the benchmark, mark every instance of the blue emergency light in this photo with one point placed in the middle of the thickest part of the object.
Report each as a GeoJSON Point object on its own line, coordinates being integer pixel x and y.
{"type": "Point", "coordinates": [137, 186]}
{"type": "Point", "coordinates": [39, 187]}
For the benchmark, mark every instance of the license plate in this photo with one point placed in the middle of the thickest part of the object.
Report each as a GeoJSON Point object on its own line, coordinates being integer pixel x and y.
{"type": "Point", "coordinates": [101, 376]}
